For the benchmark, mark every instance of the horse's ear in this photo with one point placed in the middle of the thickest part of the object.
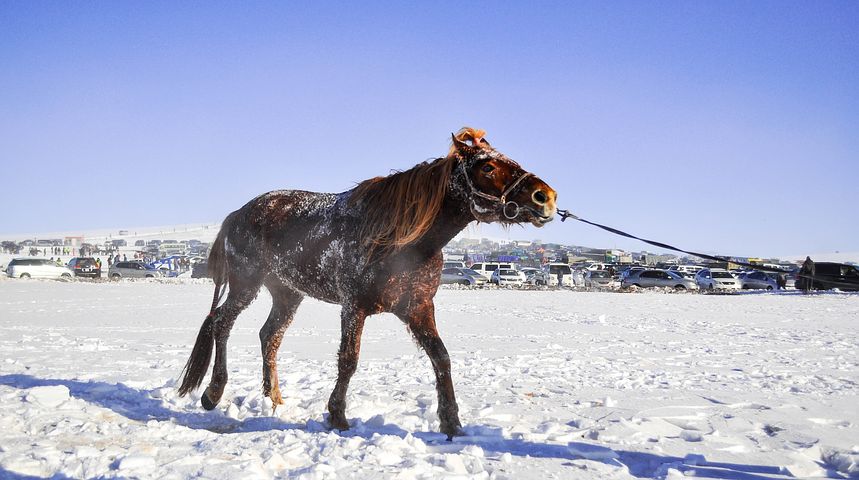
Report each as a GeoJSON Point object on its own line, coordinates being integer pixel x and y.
{"type": "Point", "coordinates": [458, 144]}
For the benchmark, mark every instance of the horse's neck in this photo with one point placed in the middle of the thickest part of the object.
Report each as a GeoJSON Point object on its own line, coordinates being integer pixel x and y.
{"type": "Point", "coordinates": [452, 219]}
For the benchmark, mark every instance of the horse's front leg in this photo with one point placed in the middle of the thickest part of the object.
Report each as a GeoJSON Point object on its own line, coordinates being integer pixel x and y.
{"type": "Point", "coordinates": [421, 322]}
{"type": "Point", "coordinates": [351, 327]}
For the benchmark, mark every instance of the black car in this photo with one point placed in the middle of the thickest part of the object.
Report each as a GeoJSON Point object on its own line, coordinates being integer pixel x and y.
{"type": "Point", "coordinates": [85, 267]}
{"type": "Point", "coordinates": [829, 275]}
{"type": "Point", "coordinates": [200, 270]}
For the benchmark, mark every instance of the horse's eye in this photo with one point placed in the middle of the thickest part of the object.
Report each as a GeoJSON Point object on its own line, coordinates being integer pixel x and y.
{"type": "Point", "coordinates": [487, 168]}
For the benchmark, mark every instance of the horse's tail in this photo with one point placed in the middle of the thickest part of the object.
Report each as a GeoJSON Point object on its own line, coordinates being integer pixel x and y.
{"type": "Point", "coordinates": [198, 364]}
{"type": "Point", "coordinates": [217, 265]}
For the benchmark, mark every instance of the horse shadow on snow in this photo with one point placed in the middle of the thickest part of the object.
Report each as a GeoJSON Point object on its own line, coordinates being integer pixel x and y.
{"type": "Point", "coordinates": [143, 406]}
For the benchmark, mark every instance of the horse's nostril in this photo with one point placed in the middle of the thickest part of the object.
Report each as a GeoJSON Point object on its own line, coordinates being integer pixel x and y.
{"type": "Point", "coordinates": [539, 197]}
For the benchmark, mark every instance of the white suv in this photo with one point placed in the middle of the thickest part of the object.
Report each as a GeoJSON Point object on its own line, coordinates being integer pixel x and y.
{"type": "Point", "coordinates": [716, 279]}
{"type": "Point", "coordinates": [37, 268]}
{"type": "Point", "coordinates": [486, 268]}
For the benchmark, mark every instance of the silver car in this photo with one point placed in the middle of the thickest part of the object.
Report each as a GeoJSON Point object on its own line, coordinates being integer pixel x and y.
{"type": "Point", "coordinates": [598, 279]}
{"type": "Point", "coordinates": [132, 270]}
{"type": "Point", "coordinates": [462, 276]}
{"type": "Point", "coordinates": [37, 268]}
{"type": "Point", "coordinates": [658, 278]}
{"type": "Point", "coordinates": [757, 281]}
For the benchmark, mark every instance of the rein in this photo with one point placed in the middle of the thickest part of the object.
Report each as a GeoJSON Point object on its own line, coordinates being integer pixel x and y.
{"type": "Point", "coordinates": [565, 214]}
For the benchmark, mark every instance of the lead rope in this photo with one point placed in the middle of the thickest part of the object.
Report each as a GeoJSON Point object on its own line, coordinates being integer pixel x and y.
{"type": "Point", "coordinates": [565, 214]}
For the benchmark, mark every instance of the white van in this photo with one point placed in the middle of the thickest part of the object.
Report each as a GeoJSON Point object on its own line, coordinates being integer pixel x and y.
{"type": "Point", "coordinates": [486, 268]}
{"type": "Point", "coordinates": [38, 268]}
{"type": "Point", "coordinates": [554, 270]}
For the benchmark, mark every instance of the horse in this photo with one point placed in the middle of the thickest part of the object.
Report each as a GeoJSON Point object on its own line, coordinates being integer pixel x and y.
{"type": "Point", "coordinates": [372, 249]}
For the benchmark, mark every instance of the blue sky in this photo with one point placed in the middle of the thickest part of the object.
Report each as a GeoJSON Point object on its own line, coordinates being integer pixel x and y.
{"type": "Point", "coordinates": [726, 127]}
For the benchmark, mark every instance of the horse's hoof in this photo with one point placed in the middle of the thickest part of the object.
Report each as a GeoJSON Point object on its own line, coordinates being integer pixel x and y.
{"type": "Point", "coordinates": [454, 432]}
{"type": "Point", "coordinates": [207, 404]}
{"type": "Point", "coordinates": [338, 424]}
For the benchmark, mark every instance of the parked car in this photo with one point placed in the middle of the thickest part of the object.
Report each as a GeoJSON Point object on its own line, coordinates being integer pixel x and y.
{"type": "Point", "coordinates": [658, 278]}
{"type": "Point", "coordinates": [630, 271]}
{"type": "Point", "coordinates": [556, 270]}
{"type": "Point", "coordinates": [200, 269]}
{"type": "Point", "coordinates": [507, 276]}
{"type": "Point", "coordinates": [37, 268]}
{"type": "Point", "coordinates": [453, 264]}
{"type": "Point", "coordinates": [85, 267]}
{"type": "Point", "coordinates": [535, 276]}
{"type": "Point", "coordinates": [830, 275]}
{"type": "Point", "coordinates": [692, 270]}
{"type": "Point", "coordinates": [486, 268]}
{"type": "Point", "coordinates": [757, 280]}
{"type": "Point", "coordinates": [462, 276]}
{"type": "Point", "coordinates": [716, 279]}
{"type": "Point", "coordinates": [598, 279]}
{"type": "Point", "coordinates": [132, 270]}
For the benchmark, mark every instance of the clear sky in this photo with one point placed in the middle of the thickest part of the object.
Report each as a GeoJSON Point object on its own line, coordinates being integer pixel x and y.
{"type": "Point", "coordinates": [726, 127]}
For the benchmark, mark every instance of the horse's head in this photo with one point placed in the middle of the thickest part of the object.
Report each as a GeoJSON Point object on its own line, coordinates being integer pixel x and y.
{"type": "Point", "coordinates": [499, 190]}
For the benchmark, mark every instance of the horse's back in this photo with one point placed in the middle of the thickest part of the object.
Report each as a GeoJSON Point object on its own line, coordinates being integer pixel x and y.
{"type": "Point", "coordinates": [283, 234]}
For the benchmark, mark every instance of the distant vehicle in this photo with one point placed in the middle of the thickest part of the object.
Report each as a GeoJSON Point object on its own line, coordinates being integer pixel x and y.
{"type": "Point", "coordinates": [598, 279]}
{"type": "Point", "coordinates": [658, 278]}
{"type": "Point", "coordinates": [629, 271]}
{"type": "Point", "coordinates": [486, 268]}
{"type": "Point", "coordinates": [174, 248]}
{"type": "Point", "coordinates": [200, 270]}
{"type": "Point", "coordinates": [85, 267]}
{"type": "Point", "coordinates": [119, 243]}
{"type": "Point", "coordinates": [591, 266]}
{"type": "Point", "coordinates": [37, 268]}
{"type": "Point", "coordinates": [790, 279]}
{"type": "Point", "coordinates": [757, 280]}
{"type": "Point", "coordinates": [454, 265]}
{"type": "Point", "coordinates": [507, 276]}
{"type": "Point", "coordinates": [717, 279]}
{"type": "Point", "coordinates": [829, 275]}
{"type": "Point", "coordinates": [535, 276]}
{"type": "Point", "coordinates": [153, 243]}
{"type": "Point", "coordinates": [554, 270]}
{"type": "Point", "coordinates": [683, 274]}
{"type": "Point", "coordinates": [462, 276]}
{"type": "Point", "coordinates": [690, 269]}
{"type": "Point", "coordinates": [140, 243]}
{"type": "Point", "coordinates": [132, 270]}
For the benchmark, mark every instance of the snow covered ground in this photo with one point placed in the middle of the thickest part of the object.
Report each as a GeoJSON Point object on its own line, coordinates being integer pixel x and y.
{"type": "Point", "coordinates": [551, 384]}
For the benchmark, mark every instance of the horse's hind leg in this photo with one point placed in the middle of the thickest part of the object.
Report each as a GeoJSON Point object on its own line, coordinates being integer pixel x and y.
{"type": "Point", "coordinates": [351, 327]}
{"type": "Point", "coordinates": [242, 293]}
{"type": "Point", "coordinates": [421, 322]}
{"type": "Point", "coordinates": [284, 303]}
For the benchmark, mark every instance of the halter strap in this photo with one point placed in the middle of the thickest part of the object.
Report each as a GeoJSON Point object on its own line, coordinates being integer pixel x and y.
{"type": "Point", "coordinates": [503, 198]}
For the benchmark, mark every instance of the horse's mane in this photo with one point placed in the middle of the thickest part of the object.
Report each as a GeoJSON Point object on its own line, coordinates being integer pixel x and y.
{"type": "Point", "coordinates": [399, 209]}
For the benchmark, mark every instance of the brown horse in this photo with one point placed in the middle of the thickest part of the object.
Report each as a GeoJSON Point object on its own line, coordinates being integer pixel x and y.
{"type": "Point", "coordinates": [382, 240]}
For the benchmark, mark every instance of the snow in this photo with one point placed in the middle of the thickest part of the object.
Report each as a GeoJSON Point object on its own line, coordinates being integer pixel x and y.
{"type": "Point", "coordinates": [550, 384]}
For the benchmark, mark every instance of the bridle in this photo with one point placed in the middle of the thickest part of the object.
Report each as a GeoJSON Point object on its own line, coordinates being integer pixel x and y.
{"type": "Point", "coordinates": [502, 200]}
